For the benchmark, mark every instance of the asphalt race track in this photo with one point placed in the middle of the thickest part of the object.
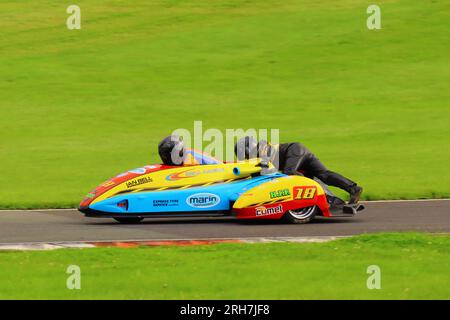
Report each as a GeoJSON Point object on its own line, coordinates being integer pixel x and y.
{"type": "Point", "coordinates": [70, 225]}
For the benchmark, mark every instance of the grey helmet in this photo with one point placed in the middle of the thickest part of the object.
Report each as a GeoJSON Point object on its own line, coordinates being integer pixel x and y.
{"type": "Point", "coordinates": [171, 150]}
{"type": "Point", "coordinates": [246, 148]}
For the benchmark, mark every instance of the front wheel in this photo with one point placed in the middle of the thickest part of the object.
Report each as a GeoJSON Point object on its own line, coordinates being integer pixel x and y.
{"type": "Point", "coordinates": [129, 220]}
{"type": "Point", "coordinates": [300, 216]}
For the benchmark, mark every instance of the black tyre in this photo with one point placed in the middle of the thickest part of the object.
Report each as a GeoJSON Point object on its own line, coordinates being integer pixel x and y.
{"type": "Point", "coordinates": [300, 216]}
{"type": "Point", "coordinates": [129, 220]}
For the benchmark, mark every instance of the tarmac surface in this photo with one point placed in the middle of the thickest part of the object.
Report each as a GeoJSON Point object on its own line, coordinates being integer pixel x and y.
{"type": "Point", "coordinates": [29, 226]}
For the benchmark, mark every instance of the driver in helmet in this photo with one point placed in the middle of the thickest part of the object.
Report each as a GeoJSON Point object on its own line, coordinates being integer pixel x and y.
{"type": "Point", "coordinates": [174, 153]}
{"type": "Point", "coordinates": [295, 159]}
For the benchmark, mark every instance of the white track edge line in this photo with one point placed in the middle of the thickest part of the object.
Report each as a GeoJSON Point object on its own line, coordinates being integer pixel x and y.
{"type": "Point", "coordinates": [53, 245]}
{"type": "Point", "coordinates": [49, 245]}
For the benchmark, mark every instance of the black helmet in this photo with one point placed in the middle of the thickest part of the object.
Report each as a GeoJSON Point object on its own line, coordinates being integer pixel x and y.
{"type": "Point", "coordinates": [246, 148]}
{"type": "Point", "coordinates": [171, 150]}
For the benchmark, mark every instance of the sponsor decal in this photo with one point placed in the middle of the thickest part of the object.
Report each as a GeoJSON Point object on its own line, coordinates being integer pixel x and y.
{"type": "Point", "coordinates": [138, 171]}
{"type": "Point", "coordinates": [304, 193]}
{"type": "Point", "coordinates": [166, 203]}
{"type": "Point", "coordinates": [122, 175]}
{"type": "Point", "coordinates": [263, 211]}
{"type": "Point", "coordinates": [279, 193]}
{"type": "Point", "coordinates": [90, 195]}
{"type": "Point", "coordinates": [108, 184]}
{"type": "Point", "coordinates": [192, 173]}
{"type": "Point", "coordinates": [139, 181]}
{"type": "Point", "coordinates": [182, 175]}
{"type": "Point", "coordinates": [203, 200]}
{"type": "Point", "coordinates": [213, 170]}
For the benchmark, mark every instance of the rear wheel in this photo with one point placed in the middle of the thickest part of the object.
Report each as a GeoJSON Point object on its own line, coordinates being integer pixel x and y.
{"type": "Point", "coordinates": [300, 216]}
{"type": "Point", "coordinates": [129, 220]}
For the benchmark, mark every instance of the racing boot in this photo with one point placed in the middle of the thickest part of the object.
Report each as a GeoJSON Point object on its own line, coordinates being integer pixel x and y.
{"type": "Point", "coordinates": [355, 192]}
{"type": "Point", "coordinates": [335, 179]}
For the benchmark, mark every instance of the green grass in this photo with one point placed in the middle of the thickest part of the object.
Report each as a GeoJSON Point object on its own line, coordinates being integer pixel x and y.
{"type": "Point", "coordinates": [413, 266]}
{"type": "Point", "coordinates": [78, 107]}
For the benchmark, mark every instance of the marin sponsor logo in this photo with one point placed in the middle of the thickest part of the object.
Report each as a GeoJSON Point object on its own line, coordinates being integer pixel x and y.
{"type": "Point", "coordinates": [279, 193]}
{"type": "Point", "coordinates": [263, 211]}
{"type": "Point", "coordinates": [139, 181]}
{"type": "Point", "coordinates": [166, 203]}
{"type": "Point", "coordinates": [203, 200]}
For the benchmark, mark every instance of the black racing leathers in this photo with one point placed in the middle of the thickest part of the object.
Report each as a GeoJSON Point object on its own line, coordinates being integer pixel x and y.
{"type": "Point", "coordinates": [295, 159]}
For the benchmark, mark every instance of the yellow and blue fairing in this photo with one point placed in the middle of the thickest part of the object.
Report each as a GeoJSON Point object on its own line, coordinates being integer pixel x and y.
{"type": "Point", "coordinates": [219, 188]}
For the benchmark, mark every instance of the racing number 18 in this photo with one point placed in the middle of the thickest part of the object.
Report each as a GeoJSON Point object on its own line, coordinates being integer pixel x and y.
{"type": "Point", "coordinates": [304, 193]}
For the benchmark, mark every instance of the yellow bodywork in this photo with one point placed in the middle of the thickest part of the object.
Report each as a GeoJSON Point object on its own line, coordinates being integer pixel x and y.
{"type": "Point", "coordinates": [186, 177]}
{"type": "Point", "coordinates": [277, 190]}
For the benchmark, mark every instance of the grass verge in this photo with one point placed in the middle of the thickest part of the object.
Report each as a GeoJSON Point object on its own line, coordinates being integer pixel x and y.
{"type": "Point", "coordinates": [413, 266]}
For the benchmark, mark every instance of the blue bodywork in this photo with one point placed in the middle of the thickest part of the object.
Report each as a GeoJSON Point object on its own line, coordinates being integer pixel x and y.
{"type": "Point", "coordinates": [218, 197]}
